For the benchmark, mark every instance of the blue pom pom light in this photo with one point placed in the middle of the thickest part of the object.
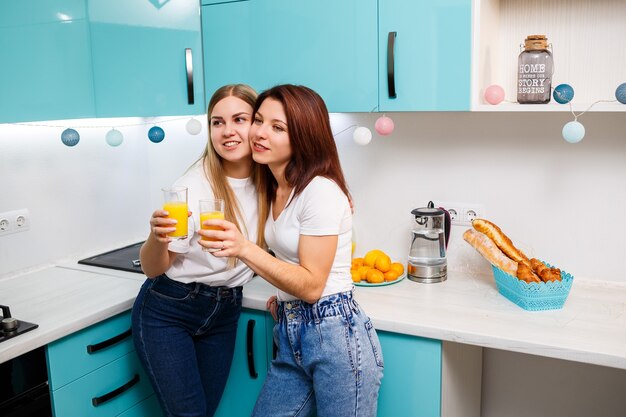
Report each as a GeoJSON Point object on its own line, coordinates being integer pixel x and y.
{"type": "Point", "coordinates": [156, 134]}
{"type": "Point", "coordinates": [620, 93]}
{"type": "Point", "coordinates": [563, 93]}
{"type": "Point", "coordinates": [573, 132]}
{"type": "Point", "coordinates": [114, 137]}
{"type": "Point", "coordinates": [70, 137]}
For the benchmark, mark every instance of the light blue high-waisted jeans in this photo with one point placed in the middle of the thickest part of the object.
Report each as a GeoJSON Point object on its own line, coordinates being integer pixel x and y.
{"type": "Point", "coordinates": [329, 360]}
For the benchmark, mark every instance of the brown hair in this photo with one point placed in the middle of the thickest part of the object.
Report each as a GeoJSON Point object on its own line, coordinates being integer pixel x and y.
{"type": "Point", "coordinates": [214, 167]}
{"type": "Point", "coordinates": [313, 149]}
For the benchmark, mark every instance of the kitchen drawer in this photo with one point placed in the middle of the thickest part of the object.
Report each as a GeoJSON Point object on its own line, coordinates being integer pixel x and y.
{"type": "Point", "coordinates": [149, 407]}
{"type": "Point", "coordinates": [107, 391]}
{"type": "Point", "coordinates": [70, 358]}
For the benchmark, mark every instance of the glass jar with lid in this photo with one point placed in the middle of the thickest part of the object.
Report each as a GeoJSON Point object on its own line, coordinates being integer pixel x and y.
{"type": "Point", "coordinates": [535, 68]}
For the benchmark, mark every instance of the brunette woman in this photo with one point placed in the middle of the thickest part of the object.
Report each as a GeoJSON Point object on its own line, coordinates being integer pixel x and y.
{"type": "Point", "coordinates": [329, 358]}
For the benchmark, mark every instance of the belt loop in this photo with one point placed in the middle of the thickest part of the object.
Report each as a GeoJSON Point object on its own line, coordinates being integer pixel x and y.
{"type": "Point", "coordinates": [316, 312]}
{"type": "Point", "coordinates": [347, 309]}
{"type": "Point", "coordinates": [196, 290]}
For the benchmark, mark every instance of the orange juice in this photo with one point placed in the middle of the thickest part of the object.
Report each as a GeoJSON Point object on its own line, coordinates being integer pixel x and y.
{"type": "Point", "coordinates": [208, 215]}
{"type": "Point", "coordinates": [177, 210]}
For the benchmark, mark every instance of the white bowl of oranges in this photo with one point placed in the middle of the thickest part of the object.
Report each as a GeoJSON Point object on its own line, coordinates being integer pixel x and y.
{"type": "Point", "coordinates": [376, 268]}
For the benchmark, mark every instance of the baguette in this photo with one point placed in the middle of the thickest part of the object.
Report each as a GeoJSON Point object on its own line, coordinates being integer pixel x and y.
{"type": "Point", "coordinates": [490, 251]}
{"type": "Point", "coordinates": [501, 240]}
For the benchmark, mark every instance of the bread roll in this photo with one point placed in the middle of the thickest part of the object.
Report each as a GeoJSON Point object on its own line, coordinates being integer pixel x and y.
{"type": "Point", "coordinates": [546, 274]}
{"type": "Point", "coordinates": [490, 251]}
{"type": "Point", "coordinates": [525, 273]}
{"type": "Point", "coordinates": [501, 240]}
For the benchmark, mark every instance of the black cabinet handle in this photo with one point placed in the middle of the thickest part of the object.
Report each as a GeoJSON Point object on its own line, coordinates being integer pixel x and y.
{"type": "Point", "coordinates": [250, 349]}
{"type": "Point", "coordinates": [391, 76]}
{"type": "Point", "coordinates": [189, 69]}
{"type": "Point", "coordinates": [110, 342]}
{"type": "Point", "coordinates": [96, 401]}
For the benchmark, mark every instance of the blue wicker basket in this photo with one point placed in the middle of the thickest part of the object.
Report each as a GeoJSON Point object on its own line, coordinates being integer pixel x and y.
{"type": "Point", "coordinates": [534, 296]}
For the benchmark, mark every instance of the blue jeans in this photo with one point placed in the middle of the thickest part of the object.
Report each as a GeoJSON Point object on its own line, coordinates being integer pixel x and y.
{"type": "Point", "coordinates": [184, 335]}
{"type": "Point", "coordinates": [329, 360]}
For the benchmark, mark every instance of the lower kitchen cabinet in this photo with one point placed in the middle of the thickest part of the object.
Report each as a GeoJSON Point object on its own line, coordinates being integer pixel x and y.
{"type": "Point", "coordinates": [420, 374]}
{"type": "Point", "coordinates": [149, 407]}
{"type": "Point", "coordinates": [96, 372]}
{"type": "Point", "coordinates": [249, 367]}
{"type": "Point", "coordinates": [411, 383]}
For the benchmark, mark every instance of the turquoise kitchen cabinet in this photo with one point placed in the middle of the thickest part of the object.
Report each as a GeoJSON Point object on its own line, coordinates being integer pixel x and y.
{"type": "Point", "coordinates": [411, 383]}
{"type": "Point", "coordinates": [424, 55]}
{"type": "Point", "coordinates": [147, 57]}
{"type": "Point", "coordinates": [149, 407]}
{"type": "Point", "coordinates": [45, 51]}
{"type": "Point", "coordinates": [327, 45]}
{"type": "Point", "coordinates": [96, 372]}
{"type": "Point", "coordinates": [249, 368]}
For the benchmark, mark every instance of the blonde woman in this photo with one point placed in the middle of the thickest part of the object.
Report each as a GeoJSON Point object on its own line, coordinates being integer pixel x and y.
{"type": "Point", "coordinates": [185, 316]}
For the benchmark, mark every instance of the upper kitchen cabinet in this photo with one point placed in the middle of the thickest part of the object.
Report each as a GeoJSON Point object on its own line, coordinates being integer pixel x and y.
{"type": "Point", "coordinates": [46, 68]}
{"type": "Point", "coordinates": [147, 57]}
{"type": "Point", "coordinates": [584, 36]}
{"type": "Point", "coordinates": [327, 45]}
{"type": "Point", "coordinates": [424, 55]}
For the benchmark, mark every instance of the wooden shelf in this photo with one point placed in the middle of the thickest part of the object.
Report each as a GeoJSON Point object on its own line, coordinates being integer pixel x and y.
{"type": "Point", "coordinates": [587, 38]}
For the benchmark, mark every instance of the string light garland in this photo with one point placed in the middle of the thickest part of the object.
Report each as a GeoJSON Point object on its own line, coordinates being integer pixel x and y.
{"type": "Point", "coordinates": [114, 137]}
{"type": "Point", "coordinates": [572, 132]}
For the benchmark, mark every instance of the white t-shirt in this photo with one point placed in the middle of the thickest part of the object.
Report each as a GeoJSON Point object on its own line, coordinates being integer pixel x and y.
{"type": "Point", "coordinates": [321, 209]}
{"type": "Point", "coordinates": [193, 264]}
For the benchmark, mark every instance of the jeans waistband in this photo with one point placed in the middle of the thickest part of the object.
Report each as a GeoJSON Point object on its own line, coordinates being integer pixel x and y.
{"type": "Point", "coordinates": [197, 288]}
{"type": "Point", "coordinates": [342, 303]}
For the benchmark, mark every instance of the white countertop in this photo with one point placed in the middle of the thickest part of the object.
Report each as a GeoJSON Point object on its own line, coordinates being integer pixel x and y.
{"type": "Point", "coordinates": [590, 328]}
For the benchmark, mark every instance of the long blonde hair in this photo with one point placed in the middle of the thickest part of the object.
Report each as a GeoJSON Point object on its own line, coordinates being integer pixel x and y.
{"type": "Point", "coordinates": [213, 167]}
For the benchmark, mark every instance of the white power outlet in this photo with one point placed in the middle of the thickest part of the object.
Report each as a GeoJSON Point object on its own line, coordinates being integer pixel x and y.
{"type": "Point", "coordinates": [14, 221]}
{"type": "Point", "coordinates": [462, 214]}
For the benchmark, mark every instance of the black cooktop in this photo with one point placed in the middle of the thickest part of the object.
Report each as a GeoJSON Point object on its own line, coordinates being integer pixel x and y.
{"type": "Point", "coordinates": [123, 259]}
{"type": "Point", "coordinates": [11, 326]}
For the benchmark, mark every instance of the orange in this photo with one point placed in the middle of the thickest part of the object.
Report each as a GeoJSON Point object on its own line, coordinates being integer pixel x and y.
{"type": "Point", "coordinates": [356, 275]}
{"type": "Point", "coordinates": [383, 263]}
{"type": "Point", "coordinates": [374, 276]}
{"type": "Point", "coordinates": [370, 257]}
{"type": "Point", "coordinates": [398, 268]}
{"type": "Point", "coordinates": [391, 275]}
{"type": "Point", "coordinates": [357, 262]}
{"type": "Point", "coordinates": [363, 271]}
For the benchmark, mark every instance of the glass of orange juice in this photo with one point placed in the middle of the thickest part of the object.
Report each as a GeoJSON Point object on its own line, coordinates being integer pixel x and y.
{"type": "Point", "coordinates": [176, 205]}
{"type": "Point", "coordinates": [211, 209]}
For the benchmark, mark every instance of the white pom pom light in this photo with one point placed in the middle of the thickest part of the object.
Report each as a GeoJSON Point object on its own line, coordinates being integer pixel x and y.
{"type": "Point", "coordinates": [193, 127]}
{"type": "Point", "coordinates": [362, 135]}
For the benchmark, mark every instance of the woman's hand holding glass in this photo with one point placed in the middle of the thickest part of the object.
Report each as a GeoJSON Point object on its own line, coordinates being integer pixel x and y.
{"type": "Point", "coordinates": [222, 238]}
{"type": "Point", "coordinates": [161, 225]}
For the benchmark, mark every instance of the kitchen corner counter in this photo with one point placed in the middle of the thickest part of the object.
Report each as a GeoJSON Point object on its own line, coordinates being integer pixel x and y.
{"type": "Point", "coordinates": [62, 301]}
{"type": "Point", "coordinates": [466, 309]}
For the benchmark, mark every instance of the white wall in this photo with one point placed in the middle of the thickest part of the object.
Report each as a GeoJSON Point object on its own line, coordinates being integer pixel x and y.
{"type": "Point", "coordinates": [564, 203]}
{"type": "Point", "coordinates": [89, 198]}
